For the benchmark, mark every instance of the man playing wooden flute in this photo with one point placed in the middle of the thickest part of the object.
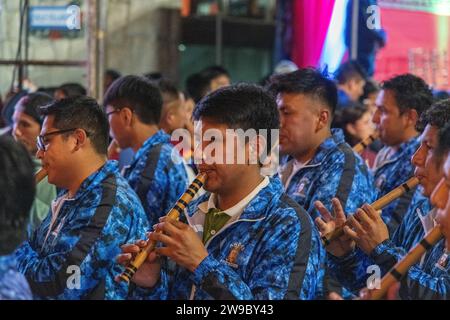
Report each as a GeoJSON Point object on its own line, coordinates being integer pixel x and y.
{"type": "Point", "coordinates": [320, 165]}
{"type": "Point", "coordinates": [27, 123]}
{"type": "Point", "coordinates": [441, 195]}
{"type": "Point", "coordinates": [245, 239]}
{"type": "Point", "coordinates": [400, 104]}
{"type": "Point", "coordinates": [369, 232]}
{"type": "Point", "coordinates": [157, 174]}
{"type": "Point", "coordinates": [71, 254]}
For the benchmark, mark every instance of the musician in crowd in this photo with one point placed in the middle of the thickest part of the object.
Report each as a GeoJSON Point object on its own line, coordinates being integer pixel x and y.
{"type": "Point", "coordinates": [316, 163]}
{"type": "Point", "coordinates": [175, 115]}
{"type": "Point", "coordinates": [350, 79]}
{"type": "Point", "coordinates": [356, 122]}
{"type": "Point", "coordinates": [157, 174]}
{"type": "Point", "coordinates": [17, 189]}
{"type": "Point", "coordinates": [370, 234]}
{"type": "Point", "coordinates": [27, 124]}
{"type": "Point", "coordinates": [71, 254]}
{"type": "Point", "coordinates": [399, 107]}
{"type": "Point", "coordinates": [441, 195]}
{"type": "Point", "coordinates": [245, 239]}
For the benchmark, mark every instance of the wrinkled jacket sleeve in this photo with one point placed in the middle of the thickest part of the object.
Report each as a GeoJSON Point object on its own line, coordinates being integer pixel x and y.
{"type": "Point", "coordinates": [92, 256]}
{"type": "Point", "coordinates": [351, 270]}
{"type": "Point", "coordinates": [358, 190]}
{"type": "Point", "coordinates": [168, 185]}
{"type": "Point", "coordinates": [419, 285]}
{"type": "Point", "coordinates": [273, 268]}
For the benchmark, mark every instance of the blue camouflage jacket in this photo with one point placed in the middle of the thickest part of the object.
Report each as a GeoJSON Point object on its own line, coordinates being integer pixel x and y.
{"type": "Point", "coordinates": [335, 171]}
{"type": "Point", "coordinates": [272, 251]}
{"type": "Point", "coordinates": [429, 279]}
{"type": "Point", "coordinates": [156, 178]}
{"type": "Point", "coordinates": [13, 285]}
{"type": "Point", "coordinates": [389, 175]}
{"type": "Point", "coordinates": [76, 259]}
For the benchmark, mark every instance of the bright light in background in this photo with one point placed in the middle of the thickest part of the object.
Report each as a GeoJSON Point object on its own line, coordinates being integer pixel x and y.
{"type": "Point", "coordinates": [334, 47]}
{"type": "Point", "coordinates": [443, 8]}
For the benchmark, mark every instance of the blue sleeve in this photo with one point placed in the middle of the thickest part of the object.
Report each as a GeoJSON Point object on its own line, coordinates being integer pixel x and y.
{"type": "Point", "coordinates": [353, 187]}
{"type": "Point", "coordinates": [168, 185]}
{"type": "Point", "coordinates": [82, 263]}
{"type": "Point", "coordinates": [420, 285]}
{"type": "Point", "coordinates": [351, 269]}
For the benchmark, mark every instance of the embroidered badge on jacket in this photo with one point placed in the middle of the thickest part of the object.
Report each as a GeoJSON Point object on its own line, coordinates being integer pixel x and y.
{"type": "Point", "coordinates": [236, 249]}
{"type": "Point", "coordinates": [301, 190]}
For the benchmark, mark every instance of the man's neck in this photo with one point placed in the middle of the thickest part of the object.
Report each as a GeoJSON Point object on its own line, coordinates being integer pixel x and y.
{"type": "Point", "coordinates": [408, 134]}
{"type": "Point", "coordinates": [308, 155]}
{"type": "Point", "coordinates": [231, 197]}
{"type": "Point", "coordinates": [90, 166]}
{"type": "Point", "coordinates": [141, 134]}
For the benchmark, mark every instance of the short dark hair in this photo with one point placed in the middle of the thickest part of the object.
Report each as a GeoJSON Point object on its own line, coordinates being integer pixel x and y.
{"type": "Point", "coordinates": [72, 90]}
{"type": "Point", "coordinates": [168, 89]}
{"type": "Point", "coordinates": [138, 94]}
{"type": "Point", "coordinates": [240, 106]}
{"type": "Point", "coordinates": [32, 102]}
{"type": "Point", "coordinates": [113, 74]}
{"type": "Point", "coordinates": [444, 140]}
{"type": "Point", "coordinates": [83, 113]}
{"type": "Point", "coordinates": [348, 71]}
{"type": "Point", "coordinates": [197, 86]}
{"type": "Point", "coordinates": [212, 72]}
{"type": "Point", "coordinates": [17, 189]}
{"type": "Point", "coordinates": [308, 81]}
{"type": "Point", "coordinates": [438, 115]}
{"type": "Point", "coordinates": [346, 116]}
{"type": "Point", "coordinates": [370, 87]}
{"type": "Point", "coordinates": [410, 92]}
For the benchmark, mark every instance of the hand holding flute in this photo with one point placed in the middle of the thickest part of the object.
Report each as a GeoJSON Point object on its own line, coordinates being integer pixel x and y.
{"type": "Point", "coordinates": [327, 237]}
{"type": "Point", "coordinates": [170, 221]}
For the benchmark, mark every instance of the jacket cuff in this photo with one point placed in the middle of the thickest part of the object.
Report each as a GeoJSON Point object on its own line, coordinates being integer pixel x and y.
{"type": "Point", "coordinates": [204, 268]}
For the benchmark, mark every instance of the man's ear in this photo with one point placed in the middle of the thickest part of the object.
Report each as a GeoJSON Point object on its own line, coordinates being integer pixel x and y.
{"type": "Point", "coordinates": [126, 115]}
{"type": "Point", "coordinates": [413, 117]}
{"type": "Point", "coordinates": [80, 139]}
{"type": "Point", "coordinates": [257, 146]}
{"type": "Point", "coordinates": [324, 119]}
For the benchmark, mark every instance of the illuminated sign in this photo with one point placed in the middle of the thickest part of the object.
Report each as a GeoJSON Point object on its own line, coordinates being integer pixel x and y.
{"type": "Point", "coordinates": [62, 18]}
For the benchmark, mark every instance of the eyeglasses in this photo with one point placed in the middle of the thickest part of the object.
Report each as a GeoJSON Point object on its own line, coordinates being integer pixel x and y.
{"type": "Point", "coordinates": [41, 141]}
{"type": "Point", "coordinates": [111, 112]}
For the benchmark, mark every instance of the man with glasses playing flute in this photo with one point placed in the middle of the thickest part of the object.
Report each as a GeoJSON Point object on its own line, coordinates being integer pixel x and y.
{"type": "Point", "coordinates": [427, 280]}
{"type": "Point", "coordinates": [71, 254]}
{"type": "Point", "coordinates": [245, 239]}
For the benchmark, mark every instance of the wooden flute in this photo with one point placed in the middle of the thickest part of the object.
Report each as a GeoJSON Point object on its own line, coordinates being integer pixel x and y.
{"type": "Point", "coordinates": [377, 205]}
{"type": "Point", "coordinates": [401, 268]}
{"type": "Point", "coordinates": [359, 148]}
{"type": "Point", "coordinates": [40, 175]}
{"type": "Point", "coordinates": [173, 214]}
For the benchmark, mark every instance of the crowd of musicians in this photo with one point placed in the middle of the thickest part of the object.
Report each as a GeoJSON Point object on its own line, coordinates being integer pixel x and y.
{"type": "Point", "coordinates": [247, 234]}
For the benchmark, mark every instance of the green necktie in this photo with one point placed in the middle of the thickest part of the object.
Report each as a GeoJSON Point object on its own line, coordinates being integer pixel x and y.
{"type": "Point", "coordinates": [214, 221]}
